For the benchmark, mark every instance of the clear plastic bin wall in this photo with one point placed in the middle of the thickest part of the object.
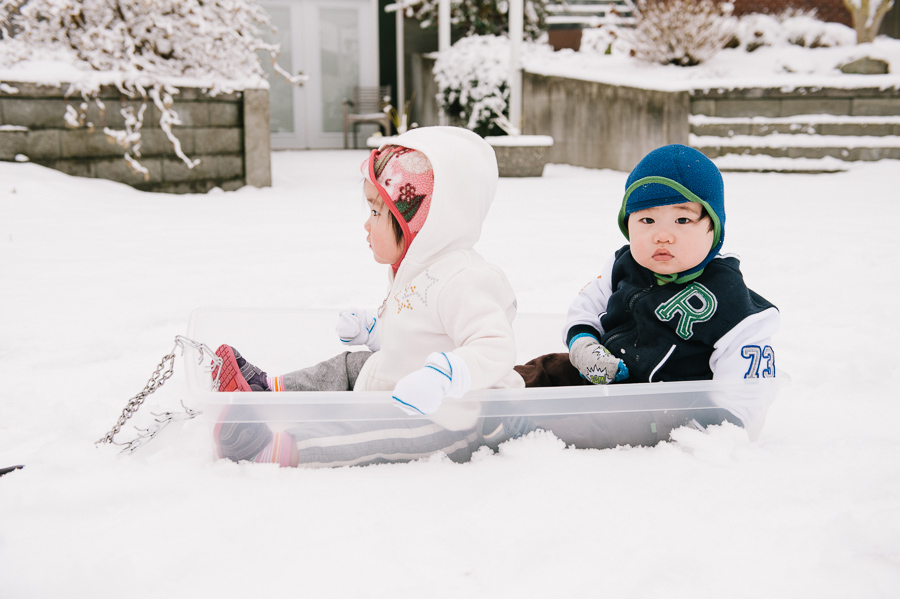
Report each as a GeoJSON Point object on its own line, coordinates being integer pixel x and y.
{"type": "Point", "coordinates": [281, 341]}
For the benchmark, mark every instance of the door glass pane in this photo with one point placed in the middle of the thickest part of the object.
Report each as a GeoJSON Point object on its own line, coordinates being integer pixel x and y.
{"type": "Point", "coordinates": [281, 93]}
{"type": "Point", "coordinates": [339, 49]}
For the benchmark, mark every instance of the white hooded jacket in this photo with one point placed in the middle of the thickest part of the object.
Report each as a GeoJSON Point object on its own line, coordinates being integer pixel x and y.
{"type": "Point", "coordinates": [445, 297]}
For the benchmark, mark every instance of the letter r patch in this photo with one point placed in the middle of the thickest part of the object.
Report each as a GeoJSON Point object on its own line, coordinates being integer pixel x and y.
{"type": "Point", "coordinates": [695, 303]}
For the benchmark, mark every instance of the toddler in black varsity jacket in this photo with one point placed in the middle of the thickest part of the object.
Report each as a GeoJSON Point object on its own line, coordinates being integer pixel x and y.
{"type": "Point", "coordinates": [668, 306]}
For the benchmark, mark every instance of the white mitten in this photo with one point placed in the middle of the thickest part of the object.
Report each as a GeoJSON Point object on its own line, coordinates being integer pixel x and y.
{"type": "Point", "coordinates": [359, 327]}
{"type": "Point", "coordinates": [422, 391]}
{"type": "Point", "coordinates": [595, 362]}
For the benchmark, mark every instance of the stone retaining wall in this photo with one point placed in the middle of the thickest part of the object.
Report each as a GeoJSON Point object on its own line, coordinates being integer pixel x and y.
{"type": "Point", "coordinates": [776, 102]}
{"type": "Point", "coordinates": [228, 134]}
{"type": "Point", "coordinates": [598, 125]}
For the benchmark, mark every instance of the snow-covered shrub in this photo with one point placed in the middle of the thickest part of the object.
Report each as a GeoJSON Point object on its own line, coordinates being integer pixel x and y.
{"type": "Point", "coordinates": [478, 17]}
{"type": "Point", "coordinates": [473, 80]}
{"type": "Point", "coordinates": [606, 39]}
{"type": "Point", "coordinates": [144, 47]}
{"type": "Point", "coordinates": [800, 28]}
{"type": "Point", "coordinates": [679, 32]}
{"type": "Point", "coordinates": [867, 16]}
{"type": "Point", "coordinates": [807, 31]}
{"type": "Point", "coordinates": [756, 30]}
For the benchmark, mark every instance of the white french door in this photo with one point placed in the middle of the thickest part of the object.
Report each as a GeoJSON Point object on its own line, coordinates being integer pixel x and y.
{"type": "Point", "coordinates": [334, 43]}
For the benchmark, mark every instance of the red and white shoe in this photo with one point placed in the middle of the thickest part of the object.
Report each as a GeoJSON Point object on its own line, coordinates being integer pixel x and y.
{"type": "Point", "coordinates": [237, 373]}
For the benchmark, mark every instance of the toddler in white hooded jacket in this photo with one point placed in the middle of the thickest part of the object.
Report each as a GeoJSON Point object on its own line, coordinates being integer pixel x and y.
{"type": "Point", "coordinates": [444, 328]}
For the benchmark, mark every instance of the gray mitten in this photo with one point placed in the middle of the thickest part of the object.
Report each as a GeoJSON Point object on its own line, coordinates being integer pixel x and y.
{"type": "Point", "coordinates": [595, 362]}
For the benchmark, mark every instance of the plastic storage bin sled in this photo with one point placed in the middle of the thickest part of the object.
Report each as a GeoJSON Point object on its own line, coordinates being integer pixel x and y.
{"type": "Point", "coordinates": [280, 341]}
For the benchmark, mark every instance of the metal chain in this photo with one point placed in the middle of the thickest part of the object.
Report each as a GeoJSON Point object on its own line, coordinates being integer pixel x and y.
{"type": "Point", "coordinates": [159, 377]}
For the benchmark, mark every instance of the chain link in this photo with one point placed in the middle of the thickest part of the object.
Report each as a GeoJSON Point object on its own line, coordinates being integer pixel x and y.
{"type": "Point", "coordinates": [163, 373]}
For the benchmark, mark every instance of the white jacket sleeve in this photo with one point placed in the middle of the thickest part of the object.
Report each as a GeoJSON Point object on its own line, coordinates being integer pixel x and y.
{"type": "Point", "coordinates": [476, 308]}
{"type": "Point", "coordinates": [746, 351]}
{"type": "Point", "coordinates": [591, 302]}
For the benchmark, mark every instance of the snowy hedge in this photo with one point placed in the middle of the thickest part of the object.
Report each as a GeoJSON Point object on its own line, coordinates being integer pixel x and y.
{"type": "Point", "coordinates": [790, 27]}
{"type": "Point", "coordinates": [473, 80]}
{"type": "Point", "coordinates": [146, 48]}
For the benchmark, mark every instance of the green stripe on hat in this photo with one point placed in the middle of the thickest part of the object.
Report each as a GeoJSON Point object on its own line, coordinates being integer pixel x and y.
{"type": "Point", "coordinates": [681, 189]}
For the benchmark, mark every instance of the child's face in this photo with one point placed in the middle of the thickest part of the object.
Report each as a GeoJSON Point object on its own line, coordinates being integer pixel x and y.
{"type": "Point", "coordinates": [670, 239]}
{"type": "Point", "coordinates": [380, 232]}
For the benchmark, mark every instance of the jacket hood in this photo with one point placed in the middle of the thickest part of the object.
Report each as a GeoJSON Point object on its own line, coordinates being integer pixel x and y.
{"type": "Point", "coordinates": [671, 175]}
{"type": "Point", "coordinates": [465, 179]}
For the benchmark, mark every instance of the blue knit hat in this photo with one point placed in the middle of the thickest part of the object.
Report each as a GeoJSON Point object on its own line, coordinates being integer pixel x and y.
{"type": "Point", "coordinates": [671, 175]}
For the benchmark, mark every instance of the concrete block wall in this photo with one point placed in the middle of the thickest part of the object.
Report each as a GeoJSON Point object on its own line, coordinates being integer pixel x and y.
{"type": "Point", "coordinates": [742, 124]}
{"type": "Point", "coordinates": [776, 102]}
{"type": "Point", "coordinates": [228, 134]}
{"type": "Point", "coordinates": [598, 125]}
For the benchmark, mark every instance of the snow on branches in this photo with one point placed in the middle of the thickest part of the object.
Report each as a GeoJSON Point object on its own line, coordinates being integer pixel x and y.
{"type": "Point", "coordinates": [679, 32]}
{"type": "Point", "coordinates": [146, 48]}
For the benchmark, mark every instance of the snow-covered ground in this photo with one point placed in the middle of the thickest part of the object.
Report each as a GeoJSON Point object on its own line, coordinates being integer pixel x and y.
{"type": "Point", "coordinates": [97, 279]}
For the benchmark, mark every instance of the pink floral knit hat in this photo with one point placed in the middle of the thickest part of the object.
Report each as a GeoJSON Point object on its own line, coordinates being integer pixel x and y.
{"type": "Point", "coordinates": [405, 180]}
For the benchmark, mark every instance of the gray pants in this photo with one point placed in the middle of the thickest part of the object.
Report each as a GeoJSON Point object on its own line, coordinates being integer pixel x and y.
{"type": "Point", "coordinates": [335, 374]}
{"type": "Point", "coordinates": [334, 444]}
